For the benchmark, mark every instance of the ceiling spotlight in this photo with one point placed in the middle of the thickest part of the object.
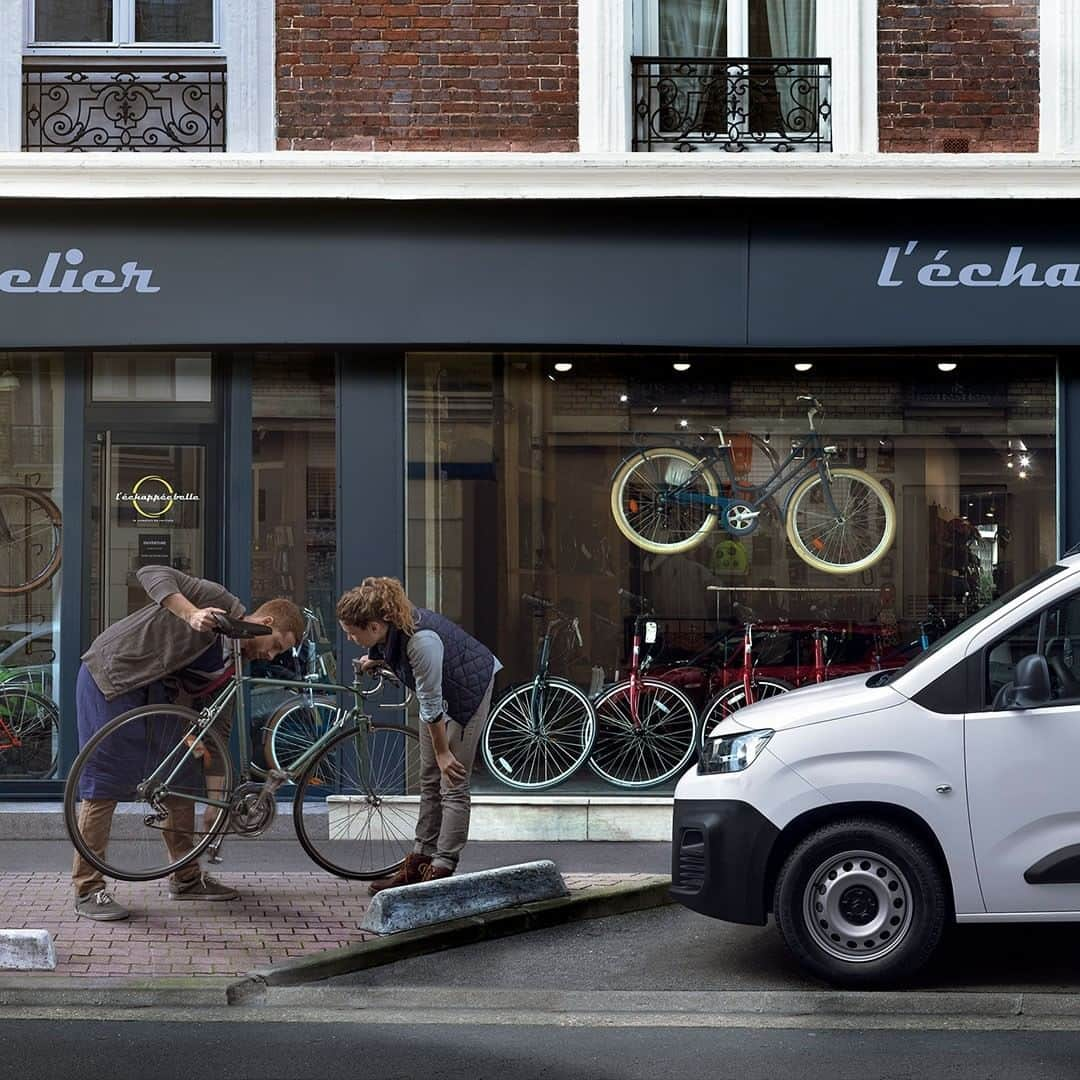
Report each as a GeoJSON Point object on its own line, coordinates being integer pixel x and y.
{"type": "Point", "coordinates": [1025, 460]}
{"type": "Point", "coordinates": [946, 365]}
{"type": "Point", "coordinates": [803, 367]}
{"type": "Point", "coordinates": [1009, 463]}
{"type": "Point", "coordinates": [624, 398]}
{"type": "Point", "coordinates": [655, 409]}
{"type": "Point", "coordinates": [551, 377]}
{"type": "Point", "coordinates": [681, 367]}
{"type": "Point", "coordinates": [564, 366]}
{"type": "Point", "coordinates": [684, 423]}
{"type": "Point", "coordinates": [1023, 474]}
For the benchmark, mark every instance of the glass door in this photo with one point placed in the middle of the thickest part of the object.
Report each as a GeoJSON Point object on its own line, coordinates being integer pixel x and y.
{"type": "Point", "coordinates": [151, 505]}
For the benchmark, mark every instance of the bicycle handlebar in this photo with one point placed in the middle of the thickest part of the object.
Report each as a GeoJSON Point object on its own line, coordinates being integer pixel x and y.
{"type": "Point", "coordinates": [641, 601]}
{"type": "Point", "coordinates": [227, 626]}
{"type": "Point", "coordinates": [538, 600]}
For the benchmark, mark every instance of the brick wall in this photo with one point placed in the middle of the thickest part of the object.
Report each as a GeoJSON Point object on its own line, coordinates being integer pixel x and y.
{"type": "Point", "coordinates": [958, 70]}
{"type": "Point", "coordinates": [406, 75]}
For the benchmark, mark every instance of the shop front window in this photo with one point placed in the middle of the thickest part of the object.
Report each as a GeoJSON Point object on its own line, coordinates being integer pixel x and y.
{"type": "Point", "coordinates": [31, 532]}
{"type": "Point", "coordinates": [692, 491]}
{"type": "Point", "coordinates": [294, 516]}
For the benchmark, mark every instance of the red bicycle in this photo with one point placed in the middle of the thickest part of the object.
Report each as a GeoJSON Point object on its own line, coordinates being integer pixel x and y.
{"type": "Point", "coordinates": [646, 730]}
{"type": "Point", "coordinates": [29, 734]}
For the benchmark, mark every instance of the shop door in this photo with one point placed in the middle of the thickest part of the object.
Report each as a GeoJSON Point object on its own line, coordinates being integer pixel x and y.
{"type": "Point", "coordinates": [153, 502]}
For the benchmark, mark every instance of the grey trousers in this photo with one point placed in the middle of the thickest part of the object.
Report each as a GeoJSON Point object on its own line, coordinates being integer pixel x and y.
{"type": "Point", "coordinates": [443, 824]}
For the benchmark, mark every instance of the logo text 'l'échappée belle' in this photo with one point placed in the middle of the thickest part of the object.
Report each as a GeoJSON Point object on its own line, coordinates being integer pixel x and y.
{"type": "Point", "coordinates": [942, 273]}
{"type": "Point", "coordinates": [73, 279]}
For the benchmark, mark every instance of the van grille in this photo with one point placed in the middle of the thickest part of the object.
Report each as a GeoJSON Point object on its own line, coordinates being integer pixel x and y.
{"type": "Point", "coordinates": [692, 860]}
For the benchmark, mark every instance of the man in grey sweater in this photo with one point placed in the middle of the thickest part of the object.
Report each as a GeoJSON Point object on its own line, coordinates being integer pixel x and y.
{"type": "Point", "coordinates": [162, 650]}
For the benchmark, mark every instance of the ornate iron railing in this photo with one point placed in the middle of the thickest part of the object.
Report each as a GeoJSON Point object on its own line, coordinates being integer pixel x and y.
{"type": "Point", "coordinates": [732, 103]}
{"type": "Point", "coordinates": [134, 107]}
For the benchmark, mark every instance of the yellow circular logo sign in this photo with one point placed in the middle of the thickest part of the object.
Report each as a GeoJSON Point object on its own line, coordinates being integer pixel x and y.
{"type": "Point", "coordinates": [162, 501]}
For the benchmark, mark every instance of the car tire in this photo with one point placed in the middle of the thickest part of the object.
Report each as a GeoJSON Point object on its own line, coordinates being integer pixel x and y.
{"type": "Point", "coordinates": [861, 903]}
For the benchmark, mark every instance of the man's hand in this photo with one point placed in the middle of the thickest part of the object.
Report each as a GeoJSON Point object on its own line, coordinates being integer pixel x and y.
{"type": "Point", "coordinates": [203, 618]}
{"type": "Point", "coordinates": [452, 769]}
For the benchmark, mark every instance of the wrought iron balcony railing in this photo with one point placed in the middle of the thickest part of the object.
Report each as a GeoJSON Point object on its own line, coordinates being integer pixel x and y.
{"type": "Point", "coordinates": [133, 107]}
{"type": "Point", "coordinates": [732, 103]}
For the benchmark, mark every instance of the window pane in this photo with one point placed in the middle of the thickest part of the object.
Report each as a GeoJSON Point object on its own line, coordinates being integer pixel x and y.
{"type": "Point", "coordinates": [787, 29]}
{"type": "Point", "coordinates": [693, 28]}
{"type": "Point", "coordinates": [174, 20]}
{"type": "Point", "coordinates": [31, 500]}
{"type": "Point", "coordinates": [73, 20]}
{"type": "Point", "coordinates": [151, 377]}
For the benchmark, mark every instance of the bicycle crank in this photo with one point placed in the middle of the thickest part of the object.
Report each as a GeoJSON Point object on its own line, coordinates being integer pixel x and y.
{"type": "Point", "coordinates": [252, 810]}
{"type": "Point", "coordinates": [741, 518]}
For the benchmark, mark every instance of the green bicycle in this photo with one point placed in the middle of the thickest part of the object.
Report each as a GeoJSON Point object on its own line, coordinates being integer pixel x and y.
{"type": "Point", "coordinates": [170, 771]}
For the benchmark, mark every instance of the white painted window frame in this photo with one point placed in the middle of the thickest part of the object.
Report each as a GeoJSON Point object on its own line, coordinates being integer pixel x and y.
{"type": "Point", "coordinates": [123, 43]}
{"type": "Point", "coordinates": [245, 31]}
{"type": "Point", "coordinates": [1059, 78]}
{"type": "Point", "coordinates": [610, 31]}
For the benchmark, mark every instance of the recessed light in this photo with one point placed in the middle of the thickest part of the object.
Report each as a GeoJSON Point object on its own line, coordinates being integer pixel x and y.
{"type": "Point", "coordinates": [1025, 460]}
{"type": "Point", "coordinates": [563, 365]}
{"type": "Point", "coordinates": [803, 367]}
{"type": "Point", "coordinates": [684, 423]}
{"type": "Point", "coordinates": [681, 367]}
{"type": "Point", "coordinates": [946, 365]}
{"type": "Point", "coordinates": [624, 398]}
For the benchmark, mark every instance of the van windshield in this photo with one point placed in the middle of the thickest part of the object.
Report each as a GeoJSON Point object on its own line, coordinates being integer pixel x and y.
{"type": "Point", "coordinates": [879, 678]}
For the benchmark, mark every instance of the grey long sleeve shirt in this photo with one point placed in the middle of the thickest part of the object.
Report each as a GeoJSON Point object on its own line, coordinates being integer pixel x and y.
{"type": "Point", "coordinates": [425, 652]}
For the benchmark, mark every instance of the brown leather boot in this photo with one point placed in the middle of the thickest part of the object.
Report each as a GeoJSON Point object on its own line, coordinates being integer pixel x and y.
{"type": "Point", "coordinates": [409, 873]}
{"type": "Point", "coordinates": [431, 872]}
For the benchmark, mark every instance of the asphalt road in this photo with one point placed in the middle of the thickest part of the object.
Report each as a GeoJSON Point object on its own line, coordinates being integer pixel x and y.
{"type": "Point", "coordinates": [190, 1050]}
{"type": "Point", "coordinates": [671, 948]}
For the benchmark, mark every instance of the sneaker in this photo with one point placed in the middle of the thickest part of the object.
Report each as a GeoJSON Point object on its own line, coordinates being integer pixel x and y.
{"type": "Point", "coordinates": [407, 874]}
{"type": "Point", "coordinates": [100, 906]}
{"type": "Point", "coordinates": [204, 887]}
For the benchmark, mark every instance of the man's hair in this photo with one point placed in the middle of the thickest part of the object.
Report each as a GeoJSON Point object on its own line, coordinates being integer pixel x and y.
{"type": "Point", "coordinates": [288, 618]}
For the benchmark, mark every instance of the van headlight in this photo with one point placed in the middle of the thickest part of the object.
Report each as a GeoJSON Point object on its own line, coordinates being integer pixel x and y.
{"type": "Point", "coordinates": [732, 753]}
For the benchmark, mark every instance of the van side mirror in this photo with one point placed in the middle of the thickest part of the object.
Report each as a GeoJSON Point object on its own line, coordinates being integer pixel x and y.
{"type": "Point", "coordinates": [1031, 687]}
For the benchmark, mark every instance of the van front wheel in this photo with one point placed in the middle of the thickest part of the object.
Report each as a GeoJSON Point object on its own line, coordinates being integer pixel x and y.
{"type": "Point", "coordinates": [861, 903]}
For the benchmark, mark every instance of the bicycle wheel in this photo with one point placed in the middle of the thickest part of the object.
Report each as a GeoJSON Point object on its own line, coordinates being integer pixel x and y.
{"type": "Point", "coordinates": [29, 734]}
{"type": "Point", "coordinates": [37, 677]}
{"type": "Point", "coordinates": [356, 806]}
{"type": "Point", "coordinates": [29, 540]}
{"type": "Point", "coordinates": [733, 697]}
{"type": "Point", "coordinates": [854, 538]}
{"type": "Point", "coordinates": [150, 762]}
{"type": "Point", "coordinates": [654, 749]}
{"type": "Point", "coordinates": [528, 756]}
{"type": "Point", "coordinates": [661, 501]}
{"type": "Point", "coordinates": [295, 728]}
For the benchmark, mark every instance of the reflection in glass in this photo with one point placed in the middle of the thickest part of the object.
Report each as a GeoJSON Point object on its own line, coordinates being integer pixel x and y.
{"type": "Point", "coordinates": [73, 20]}
{"type": "Point", "coordinates": [174, 20]}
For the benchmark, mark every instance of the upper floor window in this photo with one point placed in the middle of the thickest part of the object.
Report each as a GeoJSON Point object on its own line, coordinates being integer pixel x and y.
{"type": "Point", "coordinates": [734, 74]}
{"type": "Point", "coordinates": [120, 24]}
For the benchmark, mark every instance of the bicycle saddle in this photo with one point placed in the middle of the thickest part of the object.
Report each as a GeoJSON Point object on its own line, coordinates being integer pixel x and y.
{"type": "Point", "coordinates": [227, 626]}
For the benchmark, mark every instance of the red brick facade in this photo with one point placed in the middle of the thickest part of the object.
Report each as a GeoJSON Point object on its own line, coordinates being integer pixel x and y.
{"type": "Point", "coordinates": [408, 75]}
{"type": "Point", "coordinates": [966, 71]}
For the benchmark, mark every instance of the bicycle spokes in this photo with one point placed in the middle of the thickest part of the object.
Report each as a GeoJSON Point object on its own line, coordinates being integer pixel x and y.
{"type": "Point", "coordinates": [29, 734]}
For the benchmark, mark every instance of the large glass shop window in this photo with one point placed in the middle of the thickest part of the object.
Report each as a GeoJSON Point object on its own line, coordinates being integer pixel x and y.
{"type": "Point", "coordinates": [31, 540]}
{"type": "Point", "coordinates": [761, 538]}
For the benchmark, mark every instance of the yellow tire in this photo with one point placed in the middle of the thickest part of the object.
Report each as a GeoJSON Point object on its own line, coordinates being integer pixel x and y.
{"type": "Point", "coordinates": [648, 472]}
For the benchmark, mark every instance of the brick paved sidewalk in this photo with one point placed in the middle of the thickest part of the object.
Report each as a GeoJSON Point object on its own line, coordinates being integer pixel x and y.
{"type": "Point", "coordinates": [278, 917]}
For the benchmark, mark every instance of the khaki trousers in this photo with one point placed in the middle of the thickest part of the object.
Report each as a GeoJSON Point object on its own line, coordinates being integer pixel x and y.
{"type": "Point", "coordinates": [442, 827]}
{"type": "Point", "coordinates": [95, 824]}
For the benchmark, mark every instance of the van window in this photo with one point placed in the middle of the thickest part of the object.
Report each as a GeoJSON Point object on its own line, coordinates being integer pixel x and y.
{"type": "Point", "coordinates": [1055, 634]}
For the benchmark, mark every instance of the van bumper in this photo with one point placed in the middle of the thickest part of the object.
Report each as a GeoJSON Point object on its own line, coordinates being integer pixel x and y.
{"type": "Point", "coordinates": [719, 856]}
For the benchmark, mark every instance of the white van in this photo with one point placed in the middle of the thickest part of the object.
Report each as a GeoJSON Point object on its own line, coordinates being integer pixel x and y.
{"type": "Point", "coordinates": [866, 814]}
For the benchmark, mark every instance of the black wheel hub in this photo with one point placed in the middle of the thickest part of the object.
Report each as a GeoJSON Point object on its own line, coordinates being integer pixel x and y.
{"type": "Point", "coordinates": [858, 905]}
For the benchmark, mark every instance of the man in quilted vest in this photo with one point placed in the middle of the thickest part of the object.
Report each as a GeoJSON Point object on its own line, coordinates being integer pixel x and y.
{"type": "Point", "coordinates": [452, 675]}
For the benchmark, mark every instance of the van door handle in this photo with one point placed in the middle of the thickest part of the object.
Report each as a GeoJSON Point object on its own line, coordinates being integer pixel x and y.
{"type": "Point", "coordinates": [943, 789]}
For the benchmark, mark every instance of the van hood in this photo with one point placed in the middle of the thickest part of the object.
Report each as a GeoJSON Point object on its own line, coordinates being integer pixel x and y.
{"type": "Point", "coordinates": [814, 705]}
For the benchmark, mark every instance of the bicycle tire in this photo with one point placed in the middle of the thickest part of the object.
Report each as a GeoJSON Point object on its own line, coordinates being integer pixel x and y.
{"type": "Point", "coordinates": [139, 865]}
{"type": "Point", "coordinates": [52, 512]}
{"type": "Point", "coordinates": [35, 720]}
{"type": "Point", "coordinates": [818, 519]}
{"type": "Point", "coordinates": [349, 833]}
{"type": "Point", "coordinates": [36, 677]}
{"type": "Point", "coordinates": [512, 714]}
{"type": "Point", "coordinates": [614, 724]}
{"type": "Point", "coordinates": [288, 733]}
{"type": "Point", "coordinates": [733, 697]}
{"type": "Point", "coordinates": [671, 474]}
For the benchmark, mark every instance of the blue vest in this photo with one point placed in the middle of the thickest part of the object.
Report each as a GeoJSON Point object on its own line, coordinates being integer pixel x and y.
{"type": "Point", "coordinates": [467, 663]}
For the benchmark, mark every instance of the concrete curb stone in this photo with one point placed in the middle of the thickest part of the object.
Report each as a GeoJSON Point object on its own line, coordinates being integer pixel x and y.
{"type": "Point", "coordinates": [27, 950]}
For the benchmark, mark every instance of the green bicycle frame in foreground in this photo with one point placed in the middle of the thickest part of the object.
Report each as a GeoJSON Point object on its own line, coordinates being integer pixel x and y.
{"type": "Point", "coordinates": [178, 792]}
